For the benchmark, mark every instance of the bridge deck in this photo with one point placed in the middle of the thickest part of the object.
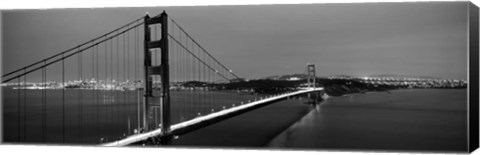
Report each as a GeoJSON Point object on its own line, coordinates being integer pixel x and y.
{"type": "Point", "coordinates": [199, 120]}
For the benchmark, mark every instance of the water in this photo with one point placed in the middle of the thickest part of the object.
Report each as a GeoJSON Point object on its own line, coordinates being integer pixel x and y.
{"type": "Point", "coordinates": [95, 116]}
{"type": "Point", "coordinates": [254, 128]}
{"type": "Point", "coordinates": [411, 119]}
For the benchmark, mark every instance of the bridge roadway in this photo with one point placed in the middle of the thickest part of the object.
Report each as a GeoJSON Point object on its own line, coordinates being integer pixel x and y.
{"type": "Point", "coordinates": [208, 119]}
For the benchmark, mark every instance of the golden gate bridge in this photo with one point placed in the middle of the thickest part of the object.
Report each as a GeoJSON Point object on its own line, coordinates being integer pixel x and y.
{"type": "Point", "coordinates": [150, 75]}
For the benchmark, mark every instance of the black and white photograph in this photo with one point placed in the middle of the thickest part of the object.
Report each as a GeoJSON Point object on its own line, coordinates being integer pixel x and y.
{"type": "Point", "coordinates": [381, 76]}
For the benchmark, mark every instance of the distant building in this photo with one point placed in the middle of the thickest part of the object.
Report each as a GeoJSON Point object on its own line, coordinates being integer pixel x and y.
{"type": "Point", "coordinates": [293, 79]}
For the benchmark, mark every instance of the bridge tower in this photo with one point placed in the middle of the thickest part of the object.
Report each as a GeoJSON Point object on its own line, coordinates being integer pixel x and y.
{"type": "Point", "coordinates": [311, 75]}
{"type": "Point", "coordinates": [162, 70]}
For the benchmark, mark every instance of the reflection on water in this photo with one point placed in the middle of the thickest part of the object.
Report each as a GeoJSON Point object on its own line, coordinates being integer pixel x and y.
{"type": "Point", "coordinates": [422, 120]}
{"type": "Point", "coordinates": [401, 120]}
{"type": "Point", "coordinates": [96, 116]}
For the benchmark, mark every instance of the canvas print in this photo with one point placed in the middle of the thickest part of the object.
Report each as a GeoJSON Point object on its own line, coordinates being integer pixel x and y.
{"type": "Point", "coordinates": [358, 76]}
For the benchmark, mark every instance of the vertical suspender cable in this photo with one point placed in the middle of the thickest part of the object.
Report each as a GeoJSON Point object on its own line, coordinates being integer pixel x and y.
{"type": "Point", "coordinates": [204, 100]}
{"type": "Point", "coordinates": [117, 60]}
{"type": "Point", "coordinates": [198, 78]}
{"type": "Point", "coordinates": [175, 57]}
{"type": "Point", "coordinates": [124, 70]}
{"type": "Point", "coordinates": [129, 78]}
{"type": "Point", "coordinates": [96, 91]}
{"type": "Point", "coordinates": [136, 72]}
{"type": "Point", "coordinates": [189, 90]}
{"type": "Point", "coordinates": [94, 86]}
{"type": "Point", "coordinates": [205, 87]}
{"type": "Point", "coordinates": [209, 89]}
{"type": "Point", "coordinates": [43, 103]}
{"type": "Point", "coordinates": [200, 91]}
{"type": "Point", "coordinates": [194, 93]}
{"type": "Point", "coordinates": [193, 70]}
{"type": "Point", "coordinates": [112, 95]}
{"type": "Point", "coordinates": [199, 71]}
{"type": "Point", "coordinates": [78, 94]}
{"type": "Point", "coordinates": [81, 94]}
{"type": "Point", "coordinates": [118, 84]}
{"type": "Point", "coordinates": [192, 76]}
{"type": "Point", "coordinates": [206, 107]}
{"type": "Point", "coordinates": [44, 106]}
{"type": "Point", "coordinates": [182, 110]}
{"type": "Point", "coordinates": [105, 93]}
{"type": "Point", "coordinates": [18, 108]}
{"type": "Point", "coordinates": [24, 107]}
{"type": "Point", "coordinates": [93, 77]}
{"type": "Point", "coordinates": [135, 62]}
{"type": "Point", "coordinates": [63, 98]}
{"type": "Point", "coordinates": [197, 75]}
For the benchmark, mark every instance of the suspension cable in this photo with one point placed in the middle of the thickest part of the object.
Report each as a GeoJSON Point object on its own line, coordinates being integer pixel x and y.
{"type": "Point", "coordinates": [188, 35]}
{"type": "Point", "coordinates": [186, 49]}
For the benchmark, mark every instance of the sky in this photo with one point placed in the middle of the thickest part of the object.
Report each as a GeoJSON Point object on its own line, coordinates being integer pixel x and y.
{"type": "Point", "coordinates": [255, 41]}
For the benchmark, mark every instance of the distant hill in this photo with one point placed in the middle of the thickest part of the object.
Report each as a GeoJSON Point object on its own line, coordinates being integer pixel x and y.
{"type": "Point", "coordinates": [292, 77]}
{"type": "Point", "coordinates": [402, 76]}
{"type": "Point", "coordinates": [301, 76]}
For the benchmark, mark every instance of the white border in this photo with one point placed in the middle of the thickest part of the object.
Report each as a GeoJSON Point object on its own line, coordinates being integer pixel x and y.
{"type": "Point", "coordinates": [44, 4]}
{"type": "Point", "coordinates": [48, 4]}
